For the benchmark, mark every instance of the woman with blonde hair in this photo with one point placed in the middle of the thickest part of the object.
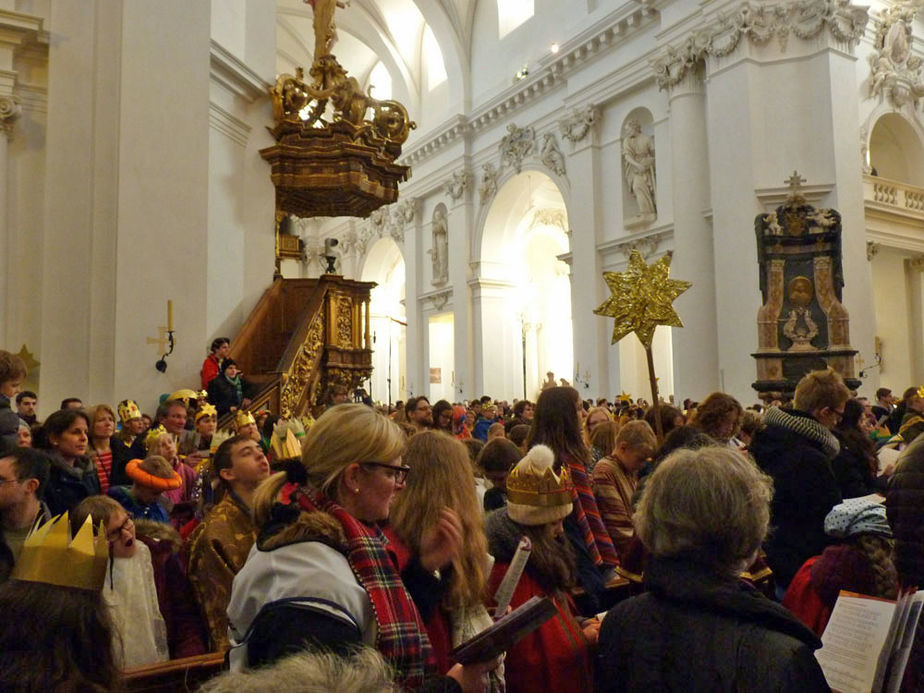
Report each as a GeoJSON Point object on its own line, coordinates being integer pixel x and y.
{"type": "Point", "coordinates": [99, 448]}
{"type": "Point", "coordinates": [440, 479]}
{"type": "Point", "coordinates": [320, 573]}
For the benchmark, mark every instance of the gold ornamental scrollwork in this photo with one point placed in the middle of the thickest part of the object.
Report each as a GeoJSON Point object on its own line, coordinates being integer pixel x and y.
{"type": "Point", "coordinates": [345, 322]}
{"type": "Point", "coordinates": [299, 376]}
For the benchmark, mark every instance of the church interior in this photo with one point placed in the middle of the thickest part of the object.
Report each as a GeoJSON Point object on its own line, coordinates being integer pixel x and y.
{"type": "Point", "coordinates": [552, 139]}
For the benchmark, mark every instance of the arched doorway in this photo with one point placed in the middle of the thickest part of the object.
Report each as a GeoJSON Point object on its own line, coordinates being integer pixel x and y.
{"type": "Point", "coordinates": [522, 300]}
{"type": "Point", "coordinates": [385, 265]}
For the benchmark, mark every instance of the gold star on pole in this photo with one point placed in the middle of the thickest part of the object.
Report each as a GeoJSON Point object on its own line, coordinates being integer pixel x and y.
{"type": "Point", "coordinates": [642, 298]}
{"type": "Point", "coordinates": [28, 358]}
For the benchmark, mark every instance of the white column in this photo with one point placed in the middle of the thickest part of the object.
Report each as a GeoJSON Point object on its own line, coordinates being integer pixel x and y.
{"type": "Point", "coordinates": [126, 209]}
{"type": "Point", "coordinates": [461, 224]}
{"type": "Point", "coordinates": [416, 327]}
{"type": "Point", "coordinates": [755, 146]}
{"type": "Point", "coordinates": [7, 251]}
{"type": "Point", "coordinates": [15, 30]}
{"type": "Point", "coordinates": [591, 333]}
{"type": "Point", "coordinates": [693, 257]}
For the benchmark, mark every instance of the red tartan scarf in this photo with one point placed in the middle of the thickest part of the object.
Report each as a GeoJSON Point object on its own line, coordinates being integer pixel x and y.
{"type": "Point", "coordinates": [587, 515]}
{"type": "Point", "coordinates": [402, 637]}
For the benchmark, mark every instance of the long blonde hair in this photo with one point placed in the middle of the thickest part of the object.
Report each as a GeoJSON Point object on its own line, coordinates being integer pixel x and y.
{"type": "Point", "coordinates": [343, 435]}
{"type": "Point", "coordinates": [441, 477]}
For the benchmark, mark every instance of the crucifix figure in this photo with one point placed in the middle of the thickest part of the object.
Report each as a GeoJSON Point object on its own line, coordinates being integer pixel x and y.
{"type": "Point", "coordinates": [794, 182]}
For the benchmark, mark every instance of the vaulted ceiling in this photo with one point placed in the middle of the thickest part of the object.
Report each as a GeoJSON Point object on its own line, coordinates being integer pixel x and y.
{"type": "Point", "coordinates": [393, 31]}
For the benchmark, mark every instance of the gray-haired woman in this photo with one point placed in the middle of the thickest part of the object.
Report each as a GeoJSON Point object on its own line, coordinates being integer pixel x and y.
{"type": "Point", "coordinates": [702, 517]}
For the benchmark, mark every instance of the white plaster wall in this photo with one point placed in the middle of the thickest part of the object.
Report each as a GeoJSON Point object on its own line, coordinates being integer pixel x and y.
{"type": "Point", "coordinates": [893, 320]}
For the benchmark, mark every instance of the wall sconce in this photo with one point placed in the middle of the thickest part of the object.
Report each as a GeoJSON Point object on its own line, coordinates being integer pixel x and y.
{"type": "Point", "coordinates": [164, 340]}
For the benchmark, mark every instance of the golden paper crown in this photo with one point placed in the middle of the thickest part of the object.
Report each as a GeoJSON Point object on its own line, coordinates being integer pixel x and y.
{"type": "Point", "coordinates": [534, 481]}
{"type": "Point", "coordinates": [242, 418]}
{"type": "Point", "coordinates": [49, 555]}
{"type": "Point", "coordinates": [217, 439]}
{"type": "Point", "coordinates": [185, 394]}
{"type": "Point", "coordinates": [206, 410]}
{"type": "Point", "coordinates": [920, 392]}
{"type": "Point", "coordinates": [129, 410]}
{"type": "Point", "coordinates": [153, 434]}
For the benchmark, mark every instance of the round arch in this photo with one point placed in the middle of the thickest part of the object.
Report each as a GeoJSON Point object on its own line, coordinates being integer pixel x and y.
{"type": "Point", "coordinates": [384, 264]}
{"type": "Point", "coordinates": [522, 296]}
{"type": "Point", "coordinates": [896, 149]}
{"type": "Point", "coordinates": [511, 201]}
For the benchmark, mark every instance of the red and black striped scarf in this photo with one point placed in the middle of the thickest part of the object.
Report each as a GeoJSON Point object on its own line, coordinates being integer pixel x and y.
{"type": "Point", "coordinates": [587, 515]}
{"type": "Point", "coordinates": [402, 637]}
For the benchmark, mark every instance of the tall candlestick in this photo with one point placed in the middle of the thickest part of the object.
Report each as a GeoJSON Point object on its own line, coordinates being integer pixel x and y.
{"type": "Point", "coordinates": [169, 315]}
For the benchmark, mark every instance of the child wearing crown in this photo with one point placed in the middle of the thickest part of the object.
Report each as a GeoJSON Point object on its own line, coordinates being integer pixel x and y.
{"type": "Point", "coordinates": [56, 634]}
{"type": "Point", "coordinates": [557, 655]}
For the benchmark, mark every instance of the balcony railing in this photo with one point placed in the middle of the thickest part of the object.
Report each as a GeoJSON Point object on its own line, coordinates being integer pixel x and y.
{"type": "Point", "coordinates": [893, 196]}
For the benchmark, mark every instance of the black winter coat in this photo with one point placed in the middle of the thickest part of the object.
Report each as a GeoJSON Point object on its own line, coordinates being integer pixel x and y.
{"type": "Point", "coordinates": [905, 510]}
{"type": "Point", "coordinates": [67, 485]}
{"type": "Point", "coordinates": [698, 631]}
{"type": "Point", "coordinates": [804, 491]}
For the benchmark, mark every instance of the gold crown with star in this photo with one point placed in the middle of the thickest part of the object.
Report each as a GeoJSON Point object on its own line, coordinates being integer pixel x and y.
{"type": "Point", "coordinates": [51, 556]}
{"type": "Point", "coordinates": [206, 410]}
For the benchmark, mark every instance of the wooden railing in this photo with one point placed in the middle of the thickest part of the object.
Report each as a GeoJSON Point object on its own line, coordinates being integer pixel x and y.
{"type": "Point", "coordinates": [179, 675]}
{"type": "Point", "coordinates": [302, 336]}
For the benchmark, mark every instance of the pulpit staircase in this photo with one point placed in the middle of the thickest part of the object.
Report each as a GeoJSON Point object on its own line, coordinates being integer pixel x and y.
{"type": "Point", "coordinates": [303, 336]}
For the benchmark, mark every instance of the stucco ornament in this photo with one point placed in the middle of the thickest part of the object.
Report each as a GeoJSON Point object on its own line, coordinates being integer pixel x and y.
{"type": "Point", "coordinates": [760, 24]}
{"type": "Point", "coordinates": [488, 187]}
{"type": "Point", "coordinates": [458, 184]}
{"type": "Point", "coordinates": [576, 126]}
{"type": "Point", "coordinates": [895, 74]}
{"type": "Point", "coordinates": [551, 155]}
{"type": "Point", "coordinates": [516, 145]}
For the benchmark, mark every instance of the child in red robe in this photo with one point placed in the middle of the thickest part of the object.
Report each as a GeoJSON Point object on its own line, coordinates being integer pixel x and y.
{"type": "Point", "coordinates": [556, 656]}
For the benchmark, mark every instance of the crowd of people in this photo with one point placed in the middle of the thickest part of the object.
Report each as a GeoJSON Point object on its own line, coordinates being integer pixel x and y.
{"type": "Point", "coordinates": [367, 542]}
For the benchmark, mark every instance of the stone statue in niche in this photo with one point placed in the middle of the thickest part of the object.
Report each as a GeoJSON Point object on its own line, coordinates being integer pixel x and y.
{"type": "Point", "coordinates": [439, 253]}
{"type": "Point", "coordinates": [638, 155]}
{"type": "Point", "coordinates": [802, 324]}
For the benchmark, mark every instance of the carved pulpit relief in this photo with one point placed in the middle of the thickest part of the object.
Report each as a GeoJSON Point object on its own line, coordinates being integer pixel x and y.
{"type": "Point", "coordinates": [439, 252]}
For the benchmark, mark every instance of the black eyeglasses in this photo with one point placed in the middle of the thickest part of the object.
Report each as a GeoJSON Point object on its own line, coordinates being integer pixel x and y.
{"type": "Point", "coordinates": [392, 471]}
{"type": "Point", "coordinates": [116, 533]}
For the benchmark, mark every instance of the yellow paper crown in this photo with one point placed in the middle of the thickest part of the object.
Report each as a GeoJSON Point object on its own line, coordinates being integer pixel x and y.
{"type": "Point", "coordinates": [185, 395]}
{"type": "Point", "coordinates": [49, 555]}
{"type": "Point", "coordinates": [206, 410]}
{"type": "Point", "coordinates": [920, 392]}
{"type": "Point", "coordinates": [129, 410]}
{"type": "Point", "coordinates": [534, 481]}
{"type": "Point", "coordinates": [242, 418]}
{"type": "Point", "coordinates": [153, 434]}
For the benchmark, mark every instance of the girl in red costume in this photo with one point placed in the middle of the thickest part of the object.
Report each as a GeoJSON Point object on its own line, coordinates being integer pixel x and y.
{"type": "Point", "coordinates": [556, 656]}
